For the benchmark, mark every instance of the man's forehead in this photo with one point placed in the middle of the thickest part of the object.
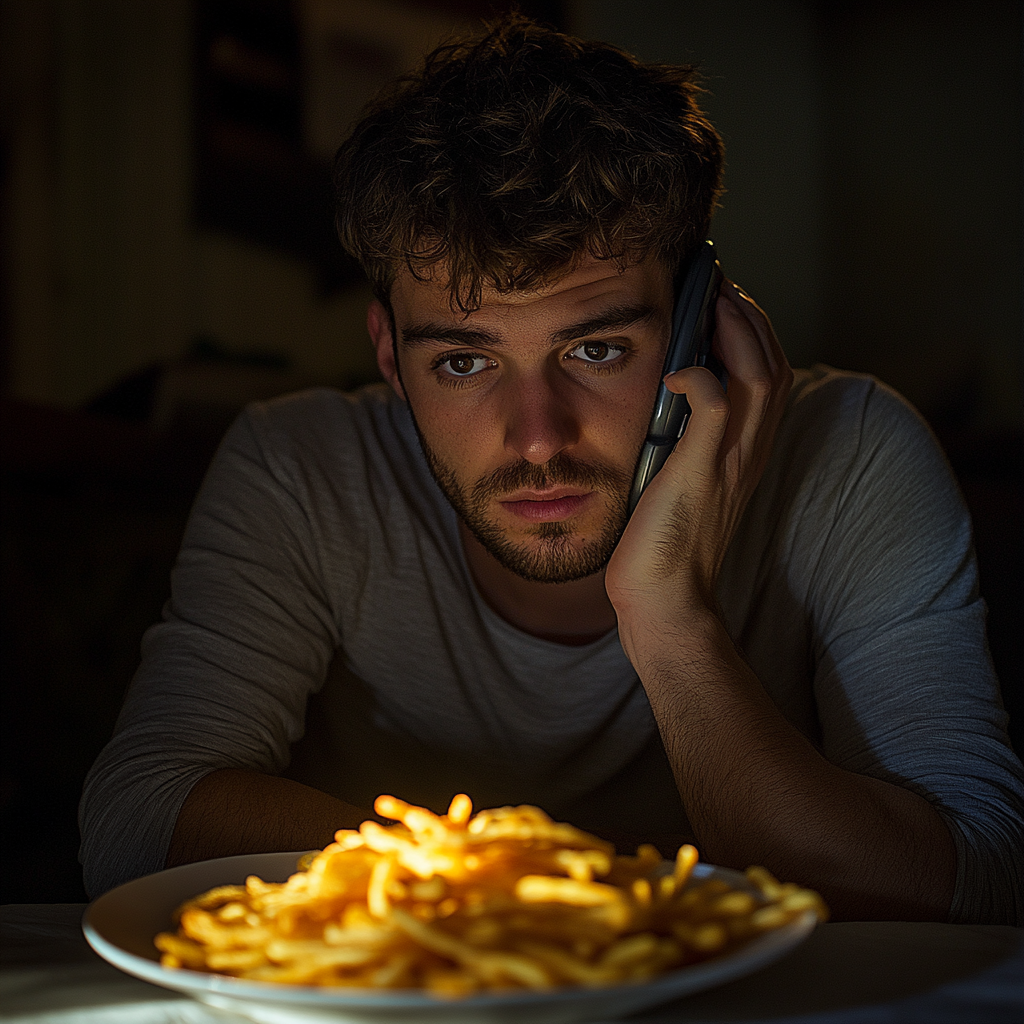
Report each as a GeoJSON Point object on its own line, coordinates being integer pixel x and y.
{"type": "Point", "coordinates": [590, 282]}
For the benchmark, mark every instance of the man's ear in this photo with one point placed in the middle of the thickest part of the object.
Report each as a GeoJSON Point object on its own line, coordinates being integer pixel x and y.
{"type": "Point", "coordinates": [378, 323]}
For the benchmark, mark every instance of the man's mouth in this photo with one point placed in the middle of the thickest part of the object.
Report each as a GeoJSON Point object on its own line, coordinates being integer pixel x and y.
{"type": "Point", "coordinates": [549, 507]}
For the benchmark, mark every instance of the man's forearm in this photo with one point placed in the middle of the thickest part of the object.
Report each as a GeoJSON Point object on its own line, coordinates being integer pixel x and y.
{"type": "Point", "coordinates": [233, 811]}
{"type": "Point", "coordinates": [757, 791]}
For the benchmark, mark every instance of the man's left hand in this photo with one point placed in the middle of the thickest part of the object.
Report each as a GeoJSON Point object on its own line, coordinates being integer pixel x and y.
{"type": "Point", "coordinates": [668, 559]}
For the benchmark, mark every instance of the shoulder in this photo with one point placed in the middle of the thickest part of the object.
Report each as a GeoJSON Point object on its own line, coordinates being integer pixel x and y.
{"type": "Point", "coordinates": [356, 453]}
{"type": "Point", "coordinates": [321, 413]}
{"type": "Point", "coordinates": [318, 454]}
{"type": "Point", "coordinates": [847, 435]}
{"type": "Point", "coordinates": [857, 487]}
{"type": "Point", "coordinates": [844, 404]}
{"type": "Point", "coordinates": [325, 429]}
{"type": "Point", "coordinates": [868, 493]}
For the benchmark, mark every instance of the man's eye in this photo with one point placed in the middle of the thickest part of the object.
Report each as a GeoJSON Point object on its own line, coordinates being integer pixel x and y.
{"type": "Point", "coordinates": [597, 352]}
{"type": "Point", "coordinates": [462, 365]}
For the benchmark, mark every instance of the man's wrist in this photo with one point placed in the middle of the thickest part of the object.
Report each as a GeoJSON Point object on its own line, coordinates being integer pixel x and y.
{"type": "Point", "coordinates": [676, 641]}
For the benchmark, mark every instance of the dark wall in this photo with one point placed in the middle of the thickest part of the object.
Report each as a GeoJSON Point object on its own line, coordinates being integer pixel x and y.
{"type": "Point", "coordinates": [873, 208]}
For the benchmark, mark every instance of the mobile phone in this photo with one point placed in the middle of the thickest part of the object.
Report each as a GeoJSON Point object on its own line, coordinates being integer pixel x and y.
{"type": "Point", "coordinates": [693, 326]}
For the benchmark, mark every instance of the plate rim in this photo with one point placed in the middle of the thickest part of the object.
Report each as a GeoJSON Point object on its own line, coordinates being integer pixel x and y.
{"type": "Point", "coordinates": [752, 956]}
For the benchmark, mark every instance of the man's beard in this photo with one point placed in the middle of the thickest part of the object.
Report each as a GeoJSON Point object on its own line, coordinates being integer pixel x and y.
{"type": "Point", "coordinates": [554, 559]}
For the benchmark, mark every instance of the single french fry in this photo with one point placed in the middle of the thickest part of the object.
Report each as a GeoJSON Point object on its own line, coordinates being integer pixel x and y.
{"type": "Point", "coordinates": [484, 931]}
{"type": "Point", "coordinates": [359, 933]}
{"type": "Point", "coordinates": [547, 889]}
{"type": "Point", "coordinates": [235, 959]}
{"type": "Point", "coordinates": [686, 860]}
{"type": "Point", "coordinates": [432, 891]}
{"type": "Point", "coordinates": [733, 904]}
{"type": "Point", "coordinates": [309, 951]}
{"type": "Point", "coordinates": [216, 897]}
{"type": "Point", "coordinates": [708, 937]}
{"type": "Point", "coordinates": [567, 966]}
{"type": "Point", "coordinates": [644, 894]}
{"type": "Point", "coordinates": [180, 952]}
{"type": "Point", "coordinates": [233, 912]}
{"type": "Point", "coordinates": [648, 857]}
{"type": "Point", "coordinates": [489, 966]}
{"type": "Point", "coordinates": [204, 927]}
{"type": "Point", "coordinates": [765, 881]}
{"type": "Point", "coordinates": [394, 971]}
{"type": "Point", "coordinates": [768, 917]}
{"type": "Point", "coordinates": [418, 820]}
{"type": "Point", "coordinates": [630, 950]}
{"type": "Point", "coordinates": [460, 809]}
{"type": "Point", "coordinates": [377, 901]}
{"type": "Point", "coordinates": [666, 954]}
{"type": "Point", "coordinates": [583, 865]}
{"type": "Point", "coordinates": [803, 899]}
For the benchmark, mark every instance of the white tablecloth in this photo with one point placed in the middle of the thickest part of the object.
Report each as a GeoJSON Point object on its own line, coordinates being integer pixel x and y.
{"type": "Point", "coordinates": [843, 974]}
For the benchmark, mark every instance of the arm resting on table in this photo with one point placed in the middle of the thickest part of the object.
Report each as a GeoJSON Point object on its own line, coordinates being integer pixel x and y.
{"type": "Point", "coordinates": [758, 792]}
{"type": "Point", "coordinates": [232, 811]}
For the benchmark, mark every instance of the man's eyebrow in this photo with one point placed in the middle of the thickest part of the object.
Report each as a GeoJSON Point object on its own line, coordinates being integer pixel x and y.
{"type": "Point", "coordinates": [427, 333]}
{"type": "Point", "coordinates": [615, 318]}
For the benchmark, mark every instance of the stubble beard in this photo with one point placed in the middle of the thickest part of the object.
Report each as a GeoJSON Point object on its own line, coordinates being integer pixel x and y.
{"type": "Point", "coordinates": [554, 558]}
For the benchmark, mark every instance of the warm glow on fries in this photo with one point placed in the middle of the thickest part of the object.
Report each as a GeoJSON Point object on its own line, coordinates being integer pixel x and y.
{"type": "Point", "coordinates": [456, 903]}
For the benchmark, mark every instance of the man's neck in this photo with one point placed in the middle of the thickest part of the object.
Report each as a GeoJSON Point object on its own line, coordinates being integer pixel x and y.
{"type": "Point", "coordinates": [574, 613]}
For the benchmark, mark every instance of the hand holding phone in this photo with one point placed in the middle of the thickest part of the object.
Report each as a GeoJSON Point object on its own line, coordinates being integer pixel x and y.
{"type": "Point", "coordinates": [693, 326]}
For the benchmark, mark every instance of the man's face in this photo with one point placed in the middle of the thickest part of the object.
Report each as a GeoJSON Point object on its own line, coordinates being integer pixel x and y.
{"type": "Point", "coordinates": [533, 408]}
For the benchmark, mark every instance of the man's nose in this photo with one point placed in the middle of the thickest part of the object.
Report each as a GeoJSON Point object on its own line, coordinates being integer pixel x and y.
{"type": "Point", "coordinates": [541, 420]}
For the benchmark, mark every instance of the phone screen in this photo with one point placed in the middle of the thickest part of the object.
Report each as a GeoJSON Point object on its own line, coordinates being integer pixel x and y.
{"type": "Point", "coordinates": [693, 326]}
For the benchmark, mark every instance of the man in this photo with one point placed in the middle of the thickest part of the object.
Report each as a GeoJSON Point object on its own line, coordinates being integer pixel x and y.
{"type": "Point", "coordinates": [780, 656]}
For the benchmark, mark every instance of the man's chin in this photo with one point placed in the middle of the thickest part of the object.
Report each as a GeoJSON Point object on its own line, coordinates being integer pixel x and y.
{"type": "Point", "coordinates": [551, 553]}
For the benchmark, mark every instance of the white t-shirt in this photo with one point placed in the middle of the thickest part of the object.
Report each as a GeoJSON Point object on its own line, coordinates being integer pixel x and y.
{"type": "Point", "coordinates": [322, 566]}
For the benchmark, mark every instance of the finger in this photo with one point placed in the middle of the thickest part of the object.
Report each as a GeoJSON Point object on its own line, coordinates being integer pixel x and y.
{"type": "Point", "coordinates": [778, 365]}
{"type": "Point", "coordinates": [710, 412]}
{"type": "Point", "coordinates": [743, 334]}
{"type": "Point", "coordinates": [763, 381]}
{"type": "Point", "coordinates": [751, 381]}
{"type": "Point", "coordinates": [776, 357]}
{"type": "Point", "coordinates": [698, 379]}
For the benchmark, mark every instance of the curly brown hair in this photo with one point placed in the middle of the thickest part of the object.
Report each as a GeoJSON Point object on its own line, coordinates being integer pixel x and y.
{"type": "Point", "coordinates": [507, 157]}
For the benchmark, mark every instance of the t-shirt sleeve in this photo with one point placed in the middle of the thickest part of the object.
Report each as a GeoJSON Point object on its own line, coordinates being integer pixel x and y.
{"type": "Point", "coordinates": [247, 634]}
{"type": "Point", "coordinates": [904, 684]}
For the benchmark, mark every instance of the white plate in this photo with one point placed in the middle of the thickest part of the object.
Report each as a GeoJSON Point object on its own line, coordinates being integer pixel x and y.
{"type": "Point", "coordinates": [121, 924]}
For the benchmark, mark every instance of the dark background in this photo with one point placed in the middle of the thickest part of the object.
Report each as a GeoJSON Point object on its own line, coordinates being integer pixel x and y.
{"type": "Point", "coordinates": [166, 255]}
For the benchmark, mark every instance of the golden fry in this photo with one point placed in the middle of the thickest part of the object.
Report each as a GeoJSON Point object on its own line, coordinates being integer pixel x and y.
{"type": "Point", "coordinates": [544, 889]}
{"type": "Point", "coordinates": [461, 903]}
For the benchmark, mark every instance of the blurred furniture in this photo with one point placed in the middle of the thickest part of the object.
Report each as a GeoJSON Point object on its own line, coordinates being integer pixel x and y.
{"type": "Point", "coordinates": [277, 84]}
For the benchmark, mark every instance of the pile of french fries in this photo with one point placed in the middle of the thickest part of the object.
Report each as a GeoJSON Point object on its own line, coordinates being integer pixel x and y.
{"type": "Point", "coordinates": [457, 904]}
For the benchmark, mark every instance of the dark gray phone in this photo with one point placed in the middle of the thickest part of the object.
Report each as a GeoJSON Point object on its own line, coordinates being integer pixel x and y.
{"type": "Point", "coordinates": [693, 325]}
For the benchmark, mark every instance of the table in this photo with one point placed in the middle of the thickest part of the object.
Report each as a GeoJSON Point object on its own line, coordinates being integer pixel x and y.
{"type": "Point", "coordinates": [845, 973]}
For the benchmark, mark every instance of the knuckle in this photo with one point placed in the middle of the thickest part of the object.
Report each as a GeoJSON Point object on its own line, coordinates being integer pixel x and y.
{"type": "Point", "coordinates": [761, 387]}
{"type": "Point", "coordinates": [731, 307]}
{"type": "Point", "coordinates": [717, 406]}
